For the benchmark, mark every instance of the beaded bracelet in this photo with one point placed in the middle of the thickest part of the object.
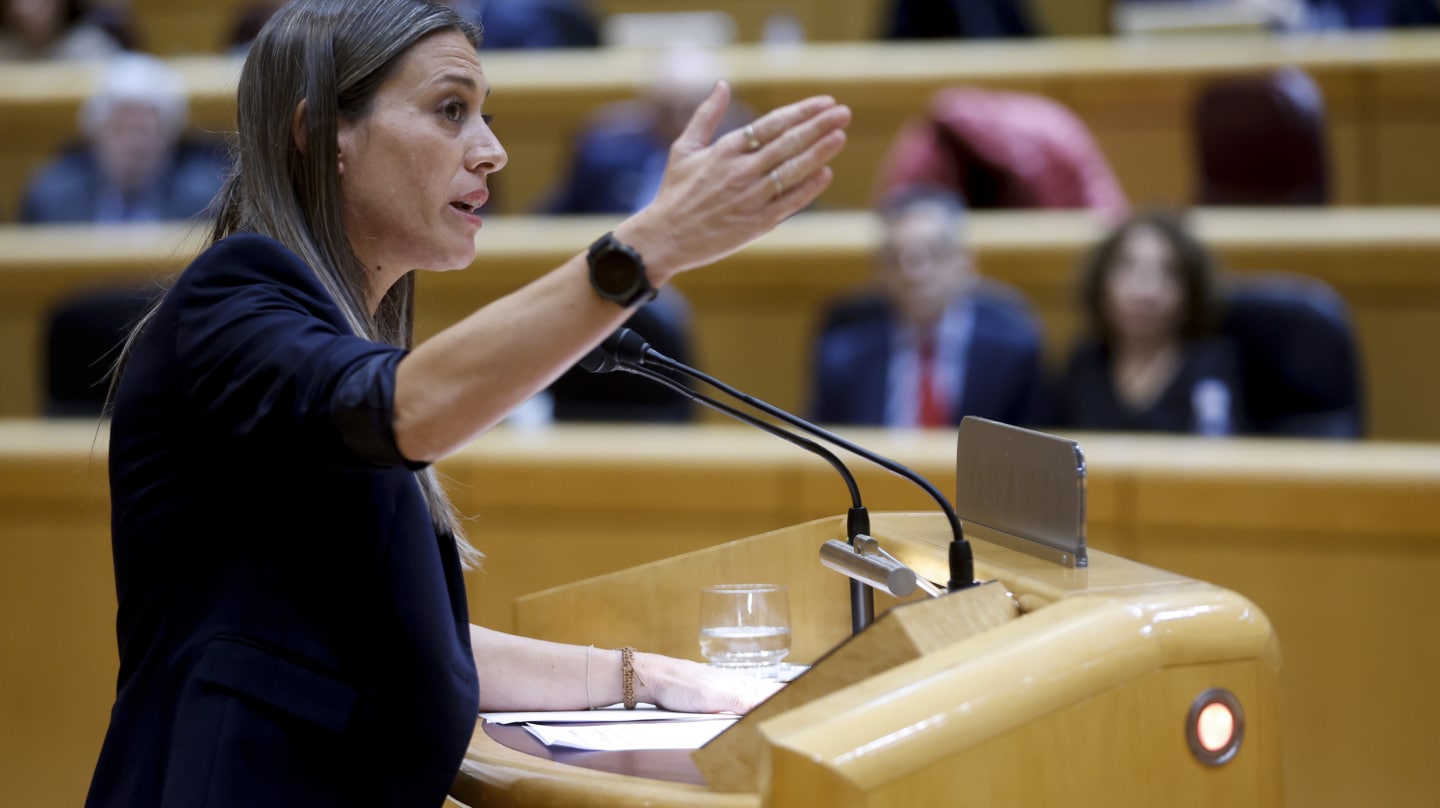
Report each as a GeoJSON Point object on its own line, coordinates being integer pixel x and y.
{"type": "Point", "coordinates": [628, 676]}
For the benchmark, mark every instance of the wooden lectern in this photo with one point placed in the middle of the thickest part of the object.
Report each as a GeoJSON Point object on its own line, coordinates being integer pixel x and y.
{"type": "Point", "coordinates": [1056, 681]}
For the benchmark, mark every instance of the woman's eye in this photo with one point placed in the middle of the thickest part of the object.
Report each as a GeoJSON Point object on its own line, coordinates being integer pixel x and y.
{"type": "Point", "coordinates": [454, 111]}
{"type": "Point", "coordinates": [488, 119]}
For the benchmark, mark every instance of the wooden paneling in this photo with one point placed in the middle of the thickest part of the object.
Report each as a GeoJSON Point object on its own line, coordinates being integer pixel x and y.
{"type": "Point", "coordinates": [765, 301]}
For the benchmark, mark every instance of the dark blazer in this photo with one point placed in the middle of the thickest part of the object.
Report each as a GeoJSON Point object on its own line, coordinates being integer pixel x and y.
{"type": "Point", "coordinates": [66, 189]}
{"type": "Point", "coordinates": [611, 164]}
{"type": "Point", "coordinates": [851, 360]}
{"type": "Point", "coordinates": [617, 159]}
{"type": "Point", "coordinates": [958, 19]}
{"type": "Point", "coordinates": [292, 630]}
{"type": "Point", "coordinates": [1085, 397]}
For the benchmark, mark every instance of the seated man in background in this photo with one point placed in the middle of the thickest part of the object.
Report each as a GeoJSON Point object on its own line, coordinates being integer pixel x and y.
{"type": "Point", "coordinates": [932, 342]}
{"type": "Point", "coordinates": [134, 163]}
{"type": "Point", "coordinates": [616, 168]}
{"type": "Point", "coordinates": [621, 152]}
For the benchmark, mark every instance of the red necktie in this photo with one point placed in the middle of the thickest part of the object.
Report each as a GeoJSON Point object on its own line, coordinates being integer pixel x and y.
{"type": "Point", "coordinates": [932, 405]}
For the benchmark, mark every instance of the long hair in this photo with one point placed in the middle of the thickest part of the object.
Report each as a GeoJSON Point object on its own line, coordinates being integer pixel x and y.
{"type": "Point", "coordinates": [1195, 264]}
{"type": "Point", "coordinates": [332, 56]}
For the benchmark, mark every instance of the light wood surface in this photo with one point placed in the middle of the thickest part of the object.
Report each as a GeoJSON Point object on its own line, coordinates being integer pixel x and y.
{"type": "Point", "coordinates": [1382, 93]}
{"type": "Point", "coordinates": [1011, 714]}
{"type": "Point", "coordinates": [1336, 543]}
{"type": "Point", "coordinates": [766, 300]}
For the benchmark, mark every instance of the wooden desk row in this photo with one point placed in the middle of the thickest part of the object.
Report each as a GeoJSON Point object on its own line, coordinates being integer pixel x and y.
{"type": "Point", "coordinates": [1382, 94]}
{"type": "Point", "coordinates": [766, 300]}
{"type": "Point", "coordinates": [1337, 543]}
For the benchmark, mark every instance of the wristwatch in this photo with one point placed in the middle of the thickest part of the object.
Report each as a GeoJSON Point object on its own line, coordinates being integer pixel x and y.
{"type": "Point", "coordinates": [618, 273]}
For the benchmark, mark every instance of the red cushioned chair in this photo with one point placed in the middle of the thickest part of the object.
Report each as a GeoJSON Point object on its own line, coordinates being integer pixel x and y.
{"type": "Point", "coordinates": [1260, 140]}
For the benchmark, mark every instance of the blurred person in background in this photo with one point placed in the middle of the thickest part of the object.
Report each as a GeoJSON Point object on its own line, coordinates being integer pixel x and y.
{"type": "Point", "coordinates": [1151, 360]}
{"type": "Point", "coordinates": [931, 341]}
{"type": "Point", "coordinates": [508, 24]}
{"type": "Point", "coordinates": [134, 162]}
{"type": "Point", "coordinates": [62, 30]}
{"type": "Point", "coordinates": [621, 151]}
{"type": "Point", "coordinates": [619, 159]}
{"type": "Point", "coordinates": [959, 19]}
{"type": "Point", "coordinates": [524, 24]}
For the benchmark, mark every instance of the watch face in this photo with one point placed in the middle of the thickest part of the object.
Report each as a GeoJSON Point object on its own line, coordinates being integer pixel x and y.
{"type": "Point", "coordinates": [615, 273]}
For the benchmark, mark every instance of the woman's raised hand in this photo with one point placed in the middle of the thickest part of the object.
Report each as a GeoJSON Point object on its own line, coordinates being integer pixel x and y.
{"type": "Point", "coordinates": [717, 197]}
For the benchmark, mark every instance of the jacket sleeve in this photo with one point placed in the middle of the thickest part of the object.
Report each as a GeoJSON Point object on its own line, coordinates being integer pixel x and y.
{"type": "Point", "coordinates": [266, 358]}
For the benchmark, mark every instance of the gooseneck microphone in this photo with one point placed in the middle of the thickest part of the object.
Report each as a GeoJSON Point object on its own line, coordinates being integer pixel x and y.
{"type": "Point", "coordinates": [630, 350]}
{"type": "Point", "coordinates": [857, 521]}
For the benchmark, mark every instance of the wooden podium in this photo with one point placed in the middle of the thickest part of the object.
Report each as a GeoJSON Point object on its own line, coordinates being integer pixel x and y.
{"type": "Point", "coordinates": [1063, 677]}
{"type": "Point", "coordinates": [1080, 693]}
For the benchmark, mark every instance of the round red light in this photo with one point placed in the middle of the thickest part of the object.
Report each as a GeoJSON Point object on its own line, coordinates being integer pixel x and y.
{"type": "Point", "coordinates": [1215, 726]}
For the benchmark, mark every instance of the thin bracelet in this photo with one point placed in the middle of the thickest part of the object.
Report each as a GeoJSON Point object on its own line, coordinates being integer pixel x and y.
{"type": "Point", "coordinates": [589, 701]}
{"type": "Point", "coordinates": [628, 676]}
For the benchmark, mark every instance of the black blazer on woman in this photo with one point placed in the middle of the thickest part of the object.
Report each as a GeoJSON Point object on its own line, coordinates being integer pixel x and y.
{"type": "Point", "coordinates": [292, 630]}
{"type": "Point", "coordinates": [1086, 398]}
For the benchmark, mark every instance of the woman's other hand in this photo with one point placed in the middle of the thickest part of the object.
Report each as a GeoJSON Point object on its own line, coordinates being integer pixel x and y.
{"type": "Point", "coordinates": [693, 687]}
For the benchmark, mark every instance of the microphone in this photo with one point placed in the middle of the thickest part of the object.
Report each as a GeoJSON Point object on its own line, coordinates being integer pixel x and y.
{"type": "Point", "coordinates": [867, 569]}
{"type": "Point", "coordinates": [627, 349]}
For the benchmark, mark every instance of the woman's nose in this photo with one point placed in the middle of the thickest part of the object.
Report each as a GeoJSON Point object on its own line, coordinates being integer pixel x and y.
{"type": "Point", "coordinates": [485, 153]}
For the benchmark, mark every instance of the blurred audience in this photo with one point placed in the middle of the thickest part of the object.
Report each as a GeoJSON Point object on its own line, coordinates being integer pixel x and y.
{"type": "Point", "coordinates": [621, 152]}
{"type": "Point", "coordinates": [1279, 16]}
{"type": "Point", "coordinates": [62, 30]}
{"type": "Point", "coordinates": [247, 22]}
{"type": "Point", "coordinates": [931, 341]}
{"type": "Point", "coordinates": [520, 24]}
{"type": "Point", "coordinates": [134, 162]}
{"type": "Point", "coordinates": [508, 24]}
{"type": "Point", "coordinates": [958, 19]}
{"type": "Point", "coordinates": [1151, 360]}
{"type": "Point", "coordinates": [616, 167]}
{"type": "Point", "coordinates": [1003, 149]}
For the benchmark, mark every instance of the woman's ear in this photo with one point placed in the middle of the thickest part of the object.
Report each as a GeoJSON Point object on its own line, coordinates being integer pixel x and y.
{"type": "Point", "coordinates": [297, 126]}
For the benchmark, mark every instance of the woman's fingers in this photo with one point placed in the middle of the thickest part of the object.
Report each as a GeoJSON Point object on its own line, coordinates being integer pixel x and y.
{"type": "Point", "coordinates": [716, 198]}
{"type": "Point", "coordinates": [775, 123]}
{"type": "Point", "coordinates": [802, 134]}
{"type": "Point", "coordinates": [700, 130]}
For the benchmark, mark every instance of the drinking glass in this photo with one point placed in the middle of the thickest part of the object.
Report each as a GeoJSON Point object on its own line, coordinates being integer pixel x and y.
{"type": "Point", "coordinates": [744, 625]}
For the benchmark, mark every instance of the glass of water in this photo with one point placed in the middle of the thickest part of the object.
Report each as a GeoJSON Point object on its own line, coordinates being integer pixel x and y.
{"type": "Point", "coordinates": [744, 625]}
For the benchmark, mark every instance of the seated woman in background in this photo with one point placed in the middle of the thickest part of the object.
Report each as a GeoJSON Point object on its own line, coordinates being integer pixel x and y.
{"type": "Point", "coordinates": [1151, 361]}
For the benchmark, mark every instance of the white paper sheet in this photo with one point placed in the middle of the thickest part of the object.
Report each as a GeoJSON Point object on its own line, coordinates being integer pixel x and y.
{"type": "Point", "coordinates": [615, 712]}
{"type": "Point", "coordinates": [627, 735]}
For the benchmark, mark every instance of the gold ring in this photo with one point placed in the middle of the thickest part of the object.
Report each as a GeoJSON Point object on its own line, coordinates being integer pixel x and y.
{"type": "Point", "coordinates": [750, 138]}
{"type": "Point", "coordinates": [775, 178]}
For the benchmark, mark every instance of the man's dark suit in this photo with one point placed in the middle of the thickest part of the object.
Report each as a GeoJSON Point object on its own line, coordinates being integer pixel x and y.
{"type": "Point", "coordinates": [70, 188]}
{"type": "Point", "coordinates": [1002, 366]}
{"type": "Point", "coordinates": [617, 162]}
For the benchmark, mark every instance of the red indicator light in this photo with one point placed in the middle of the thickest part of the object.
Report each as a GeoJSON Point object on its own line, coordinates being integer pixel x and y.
{"type": "Point", "coordinates": [1215, 726]}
